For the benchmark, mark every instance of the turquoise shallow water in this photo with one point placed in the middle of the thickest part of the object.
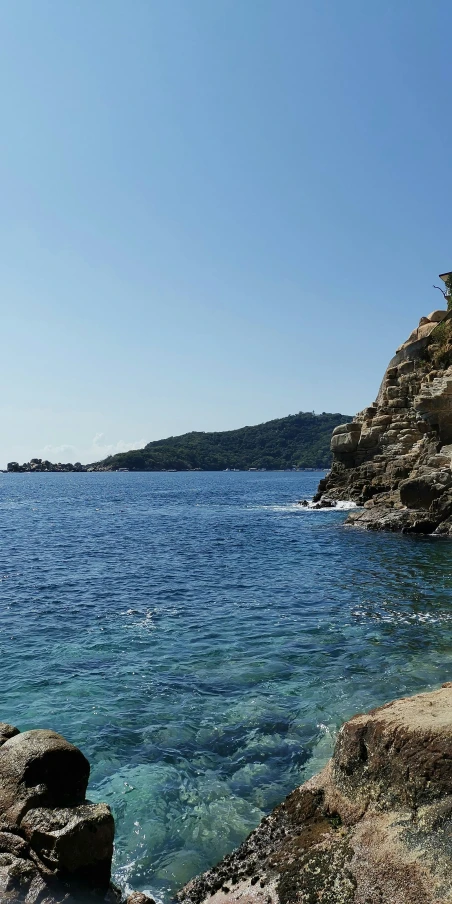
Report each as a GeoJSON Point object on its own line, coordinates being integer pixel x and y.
{"type": "Point", "coordinates": [201, 639]}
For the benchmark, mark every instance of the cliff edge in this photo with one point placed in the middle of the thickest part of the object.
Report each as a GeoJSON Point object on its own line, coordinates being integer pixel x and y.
{"type": "Point", "coordinates": [374, 827]}
{"type": "Point", "coordinates": [394, 459]}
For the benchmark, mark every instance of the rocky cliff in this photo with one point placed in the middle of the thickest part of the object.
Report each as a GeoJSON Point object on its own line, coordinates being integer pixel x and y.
{"type": "Point", "coordinates": [374, 827]}
{"type": "Point", "coordinates": [55, 846]}
{"type": "Point", "coordinates": [395, 458]}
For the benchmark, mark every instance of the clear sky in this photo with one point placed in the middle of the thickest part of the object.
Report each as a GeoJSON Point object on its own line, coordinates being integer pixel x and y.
{"type": "Point", "coordinates": [213, 212]}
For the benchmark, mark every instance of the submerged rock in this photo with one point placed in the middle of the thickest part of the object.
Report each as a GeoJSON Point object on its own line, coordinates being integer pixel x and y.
{"type": "Point", "coordinates": [394, 459]}
{"type": "Point", "coordinates": [374, 827]}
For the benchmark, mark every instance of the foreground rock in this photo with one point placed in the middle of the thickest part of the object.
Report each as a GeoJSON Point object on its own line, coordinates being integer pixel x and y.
{"type": "Point", "coordinates": [55, 846]}
{"type": "Point", "coordinates": [374, 827]}
{"type": "Point", "coordinates": [394, 459]}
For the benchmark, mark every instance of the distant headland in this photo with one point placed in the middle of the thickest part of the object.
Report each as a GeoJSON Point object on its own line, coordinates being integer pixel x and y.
{"type": "Point", "coordinates": [295, 442]}
{"type": "Point", "coordinates": [40, 464]}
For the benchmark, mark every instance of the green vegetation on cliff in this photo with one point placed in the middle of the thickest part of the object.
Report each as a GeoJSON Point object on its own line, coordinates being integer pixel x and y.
{"type": "Point", "coordinates": [439, 350]}
{"type": "Point", "coordinates": [299, 440]}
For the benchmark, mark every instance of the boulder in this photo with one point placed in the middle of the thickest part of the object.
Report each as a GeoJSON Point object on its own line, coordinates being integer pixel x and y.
{"type": "Point", "coordinates": [396, 405]}
{"type": "Point", "coordinates": [437, 316]}
{"type": "Point", "coordinates": [369, 413]}
{"type": "Point", "coordinates": [346, 428]}
{"type": "Point", "coordinates": [420, 492]}
{"type": "Point", "coordinates": [40, 767]}
{"type": "Point", "coordinates": [76, 840]}
{"type": "Point", "coordinates": [383, 420]}
{"type": "Point", "coordinates": [423, 331]}
{"type": "Point", "coordinates": [383, 517]}
{"type": "Point", "coordinates": [346, 442]}
{"type": "Point", "coordinates": [439, 461]}
{"type": "Point", "coordinates": [13, 844]}
{"type": "Point", "coordinates": [373, 750]}
{"type": "Point", "coordinates": [7, 732]}
{"type": "Point", "coordinates": [345, 438]}
{"type": "Point", "coordinates": [395, 392]}
{"type": "Point", "coordinates": [55, 846]}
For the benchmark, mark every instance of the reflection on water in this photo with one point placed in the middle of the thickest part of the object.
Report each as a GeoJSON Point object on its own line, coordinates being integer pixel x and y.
{"type": "Point", "coordinates": [201, 638]}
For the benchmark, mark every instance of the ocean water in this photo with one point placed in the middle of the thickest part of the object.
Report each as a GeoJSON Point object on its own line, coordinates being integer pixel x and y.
{"type": "Point", "coordinates": [202, 638]}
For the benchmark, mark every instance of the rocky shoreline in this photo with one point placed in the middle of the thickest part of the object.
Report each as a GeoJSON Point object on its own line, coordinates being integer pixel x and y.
{"type": "Point", "coordinates": [55, 846]}
{"type": "Point", "coordinates": [374, 827]}
{"type": "Point", "coordinates": [394, 459]}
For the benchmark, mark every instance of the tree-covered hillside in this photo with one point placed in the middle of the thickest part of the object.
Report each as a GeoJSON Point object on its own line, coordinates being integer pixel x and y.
{"type": "Point", "coordinates": [299, 440]}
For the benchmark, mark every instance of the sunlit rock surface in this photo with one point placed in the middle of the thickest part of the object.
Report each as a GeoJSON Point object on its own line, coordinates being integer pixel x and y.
{"type": "Point", "coordinates": [394, 459]}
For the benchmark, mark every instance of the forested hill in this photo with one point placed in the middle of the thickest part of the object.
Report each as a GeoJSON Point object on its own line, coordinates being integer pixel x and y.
{"type": "Point", "coordinates": [299, 440]}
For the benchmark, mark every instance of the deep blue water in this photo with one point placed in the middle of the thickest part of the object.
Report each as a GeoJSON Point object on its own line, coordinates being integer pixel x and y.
{"type": "Point", "coordinates": [201, 639]}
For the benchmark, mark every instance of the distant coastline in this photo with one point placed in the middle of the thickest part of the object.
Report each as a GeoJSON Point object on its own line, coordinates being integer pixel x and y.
{"type": "Point", "coordinates": [42, 466]}
{"type": "Point", "coordinates": [36, 465]}
{"type": "Point", "coordinates": [298, 442]}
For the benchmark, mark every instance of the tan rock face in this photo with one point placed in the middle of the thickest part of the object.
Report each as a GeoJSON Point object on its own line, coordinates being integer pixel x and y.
{"type": "Point", "coordinates": [373, 826]}
{"type": "Point", "coordinates": [345, 442]}
{"type": "Point", "coordinates": [409, 435]}
{"type": "Point", "coordinates": [400, 755]}
{"type": "Point", "coordinates": [437, 316]}
{"type": "Point", "coordinates": [434, 404]}
{"type": "Point", "coordinates": [41, 766]}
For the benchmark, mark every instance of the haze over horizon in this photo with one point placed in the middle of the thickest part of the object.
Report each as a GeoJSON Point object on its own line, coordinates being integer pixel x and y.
{"type": "Point", "coordinates": [213, 215]}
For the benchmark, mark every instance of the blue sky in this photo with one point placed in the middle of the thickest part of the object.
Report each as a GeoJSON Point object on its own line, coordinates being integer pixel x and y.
{"type": "Point", "coordinates": [213, 213]}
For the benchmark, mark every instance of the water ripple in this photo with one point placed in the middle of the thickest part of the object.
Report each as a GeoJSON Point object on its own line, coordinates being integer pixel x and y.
{"type": "Point", "coordinates": [202, 637]}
